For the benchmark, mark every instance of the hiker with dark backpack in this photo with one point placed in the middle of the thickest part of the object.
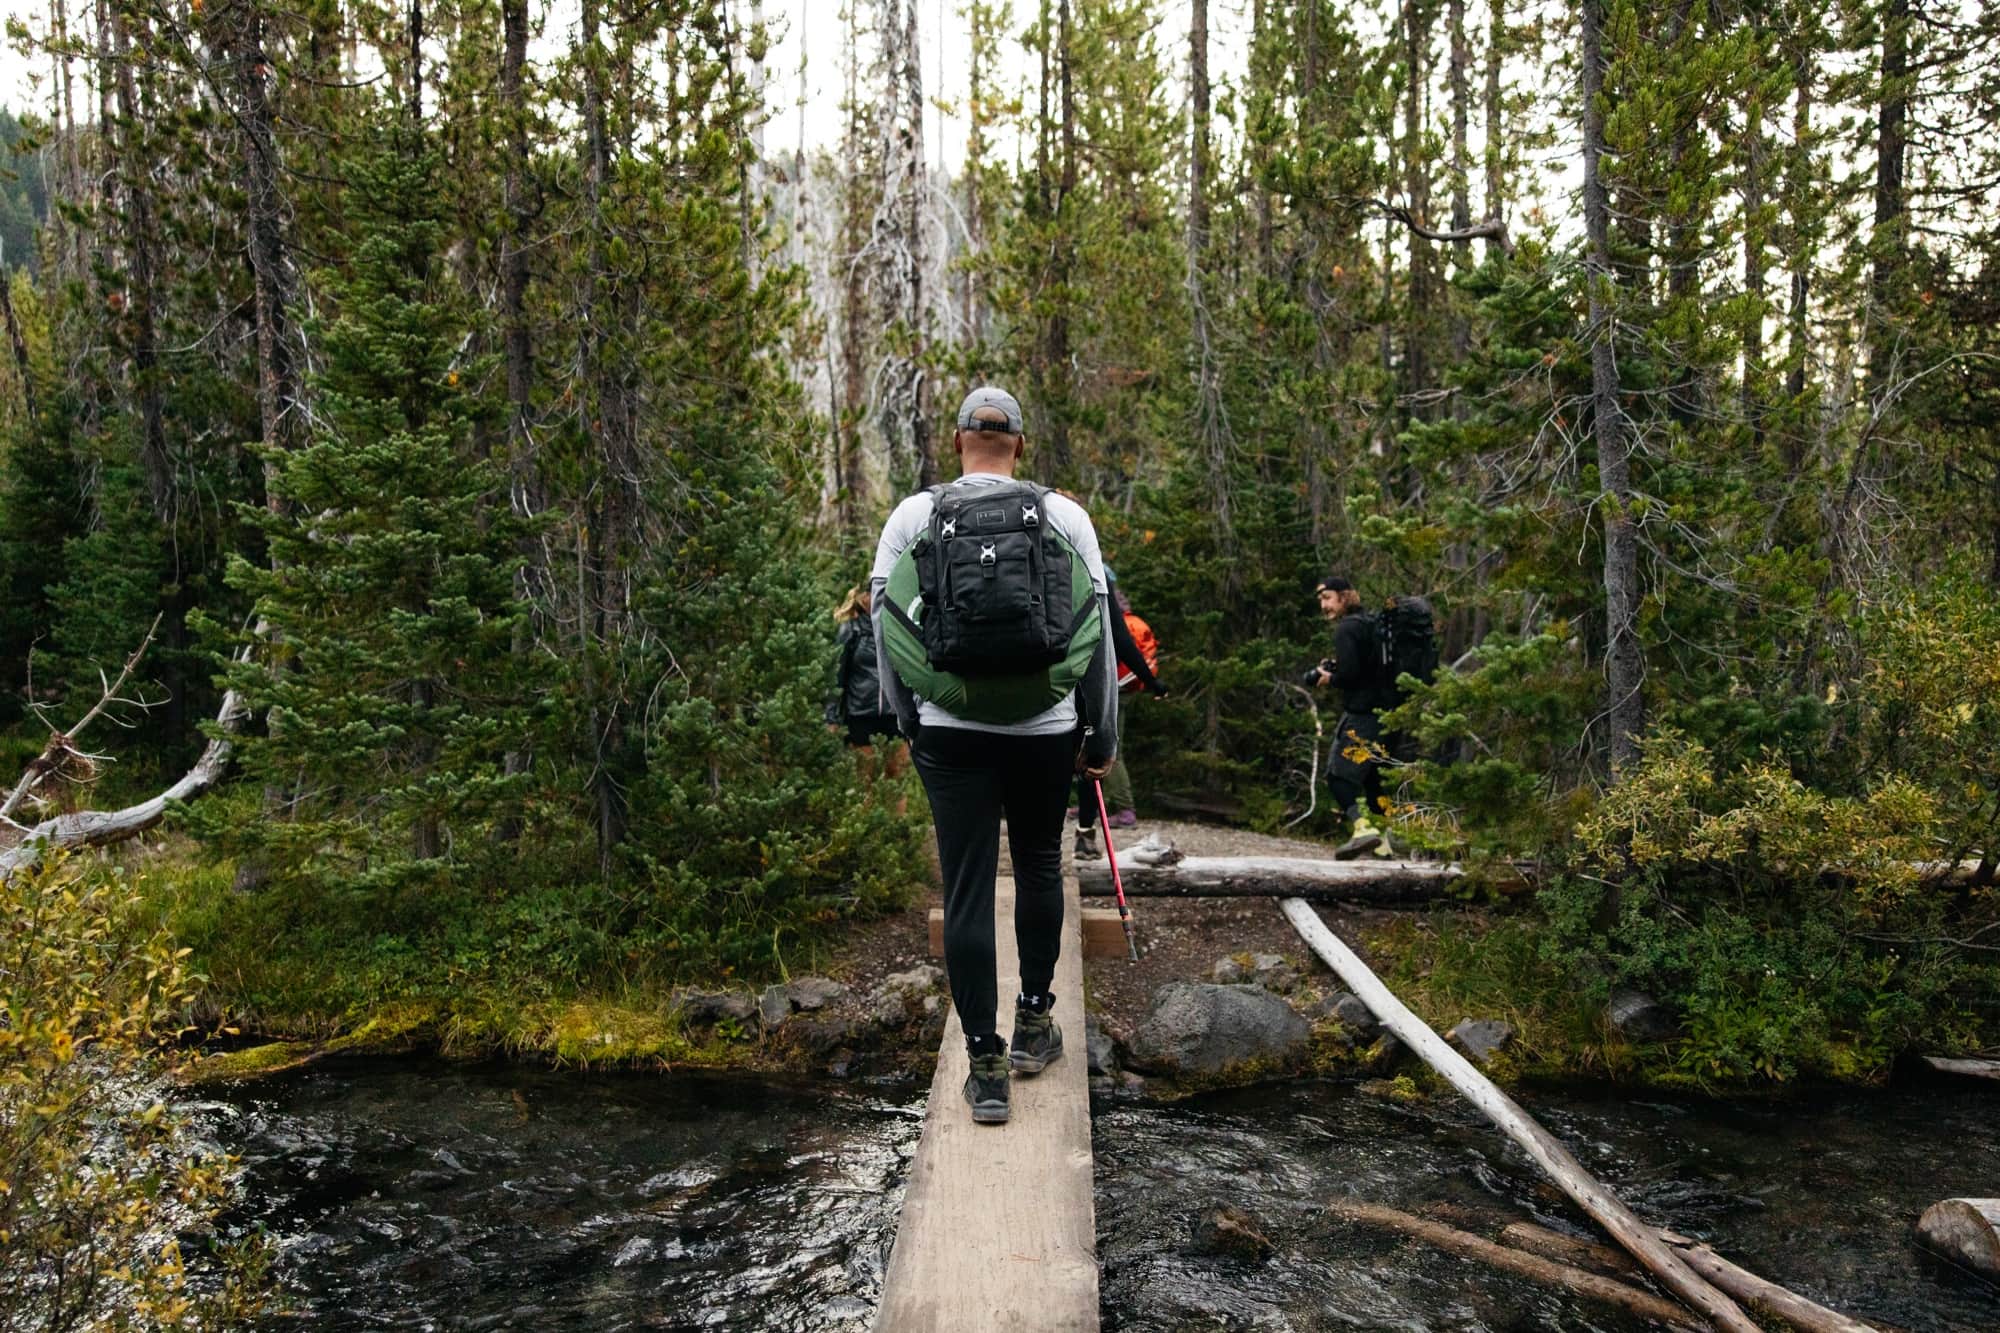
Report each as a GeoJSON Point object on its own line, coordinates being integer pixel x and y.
{"type": "Point", "coordinates": [1371, 652]}
{"type": "Point", "coordinates": [995, 645]}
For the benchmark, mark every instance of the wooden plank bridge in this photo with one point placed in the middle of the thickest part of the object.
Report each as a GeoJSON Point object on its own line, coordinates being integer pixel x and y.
{"type": "Point", "coordinates": [999, 1225]}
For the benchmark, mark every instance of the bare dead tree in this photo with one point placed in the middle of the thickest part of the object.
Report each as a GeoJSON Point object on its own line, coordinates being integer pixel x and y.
{"type": "Point", "coordinates": [60, 755]}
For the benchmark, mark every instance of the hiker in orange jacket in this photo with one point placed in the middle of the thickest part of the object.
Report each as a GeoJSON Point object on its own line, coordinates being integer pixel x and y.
{"type": "Point", "coordinates": [1138, 654]}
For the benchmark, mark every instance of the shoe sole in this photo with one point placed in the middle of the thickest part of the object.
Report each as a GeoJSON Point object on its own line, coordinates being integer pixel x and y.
{"type": "Point", "coordinates": [990, 1113]}
{"type": "Point", "coordinates": [1023, 1063]}
{"type": "Point", "coordinates": [1354, 847]}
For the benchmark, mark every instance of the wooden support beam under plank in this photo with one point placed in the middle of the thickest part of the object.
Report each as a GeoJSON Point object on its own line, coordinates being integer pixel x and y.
{"type": "Point", "coordinates": [1103, 936]}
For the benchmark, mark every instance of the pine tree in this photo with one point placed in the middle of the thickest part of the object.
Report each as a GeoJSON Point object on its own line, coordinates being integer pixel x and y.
{"type": "Point", "coordinates": [391, 585]}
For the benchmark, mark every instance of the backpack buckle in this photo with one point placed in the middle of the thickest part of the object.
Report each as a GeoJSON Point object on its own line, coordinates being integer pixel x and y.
{"type": "Point", "coordinates": [948, 528]}
{"type": "Point", "coordinates": [988, 554]}
{"type": "Point", "coordinates": [1031, 516]}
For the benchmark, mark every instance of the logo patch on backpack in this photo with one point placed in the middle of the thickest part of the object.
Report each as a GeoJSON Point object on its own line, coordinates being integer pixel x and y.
{"type": "Point", "coordinates": [989, 518]}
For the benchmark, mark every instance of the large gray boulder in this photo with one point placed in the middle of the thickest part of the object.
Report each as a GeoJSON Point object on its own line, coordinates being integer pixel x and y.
{"type": "Point", "coordinates": [1194, 1028]}
{"type": "Point", "coordinates": [1482, 1038]}
{"type": "Point", "coordinates": [1638, 1017]}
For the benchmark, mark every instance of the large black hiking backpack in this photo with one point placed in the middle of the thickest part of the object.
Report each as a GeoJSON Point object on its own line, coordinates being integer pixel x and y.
{"type": "Point", "coordinates": [1408, 629]}
{"type": "Point", "coordinates": [991, 614]}
{"type": "Point", "coordinates": [996, 581]}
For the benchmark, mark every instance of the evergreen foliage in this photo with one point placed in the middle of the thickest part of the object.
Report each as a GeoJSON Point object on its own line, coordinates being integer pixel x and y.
{"type": "Point", "coordinates": [393, 694]}
{"type": "Point", "coordinates": [536, 455]}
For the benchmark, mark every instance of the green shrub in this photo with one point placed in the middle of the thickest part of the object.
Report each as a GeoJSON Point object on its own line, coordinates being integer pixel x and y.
{"type": "Point", "coordinates": [1798, 932]}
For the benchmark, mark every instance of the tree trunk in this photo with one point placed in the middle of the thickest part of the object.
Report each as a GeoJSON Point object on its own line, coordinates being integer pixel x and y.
{"type": "Point", "coordinates": [1891, 152]}
{"type": "Point", "coordinates": [915, 204]}
{"type": "Point", "coordinates": [603, 425]}
{"type": "Point", "coordinates": [141, 271]}
{"type": "Point", "coordinates": [1461, 170]}
{"type": "Point", "coordinates": [1624, 663]}
{"type": "Point", "coordinates": [1801, 197]}
{"type": "Point", "coordinates": [1058, 348]}
{"type": "Point", "coordinates": [1417, 189]}
{"type": "Point", "coordinates": [1753, 269]}
{"type": "Point", "coordinates": [516, 336]}
{"type": "Point", "coordinates": [1496, 161]}
{"type": "Point", "coordinates": [270, 263]}
{"type": "Point", "coordinates": [1210, 427]}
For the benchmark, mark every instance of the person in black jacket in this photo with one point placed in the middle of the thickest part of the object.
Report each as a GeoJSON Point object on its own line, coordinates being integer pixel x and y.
{"type": "Point", "coordinates": [856, 705]}
{"type": "Point", "coordinates": [1357, 670]}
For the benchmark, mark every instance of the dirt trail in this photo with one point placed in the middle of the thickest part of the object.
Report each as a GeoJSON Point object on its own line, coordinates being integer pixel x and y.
{"type": "Point", "coordinates": [1179, 939]}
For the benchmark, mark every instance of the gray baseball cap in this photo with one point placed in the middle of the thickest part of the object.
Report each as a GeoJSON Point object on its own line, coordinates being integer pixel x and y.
{"type": "Point", "coordinates": [986, 395]}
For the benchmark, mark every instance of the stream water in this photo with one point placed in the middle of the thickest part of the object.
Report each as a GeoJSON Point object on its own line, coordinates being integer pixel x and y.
{"type": "Point", "coordinates": [418, 1195]}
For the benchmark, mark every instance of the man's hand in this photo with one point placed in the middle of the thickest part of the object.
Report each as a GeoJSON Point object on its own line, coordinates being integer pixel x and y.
{"type": "Point", "coordinates": [1095, 772]}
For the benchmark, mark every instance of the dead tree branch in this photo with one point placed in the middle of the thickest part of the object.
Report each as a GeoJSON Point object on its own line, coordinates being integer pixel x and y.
{"type": "Point", "coordinates": [61, 751]}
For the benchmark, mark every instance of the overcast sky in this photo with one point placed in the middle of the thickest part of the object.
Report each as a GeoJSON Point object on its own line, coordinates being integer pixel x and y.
{"type": "Point", "coordinates": [815, 27]}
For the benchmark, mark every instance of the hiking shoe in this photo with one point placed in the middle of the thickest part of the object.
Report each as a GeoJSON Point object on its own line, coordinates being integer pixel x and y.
{"type": "Point", "coordinates": [986, 1087]}
{"type": "Point", "coordinates": [1366, 838]}
{"type": "Point", "coordinates": [1086, 845]}
{"type": "Point", "coordinates": [1124, 819]}
{"type": "Point", "coordinates": [1037, 1038]}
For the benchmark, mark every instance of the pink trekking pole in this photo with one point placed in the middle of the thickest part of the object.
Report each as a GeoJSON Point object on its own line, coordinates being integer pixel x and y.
{"type": "Point", "coordinates": [1117, 884]}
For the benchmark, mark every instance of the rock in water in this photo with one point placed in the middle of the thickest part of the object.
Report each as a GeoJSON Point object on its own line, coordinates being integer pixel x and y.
{"type": "Point", "coordinates": [1230, 1233]}
{"type": "Point", "coordinates": [1098, 1046]}
{"type": "Point", "coordinates": [1965, 1231]}
{"type": "Point", "coordinates": [1482, 1038]}
{"type": "Point", "coordinates": [1194, 1028]}
{"type": "Point", "coordinates": [1637, 1016]}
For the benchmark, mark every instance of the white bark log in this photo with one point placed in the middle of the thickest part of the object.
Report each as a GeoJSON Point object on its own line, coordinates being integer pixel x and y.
{"type": "Point", "coordinates": [99, 828]}
{"type": "Point", "coordinates": [1373, 880]}
{"type": "Point", "coordinates": [1966, 1231]}
{"type": "Point", "coordinates": [1641, 1240]}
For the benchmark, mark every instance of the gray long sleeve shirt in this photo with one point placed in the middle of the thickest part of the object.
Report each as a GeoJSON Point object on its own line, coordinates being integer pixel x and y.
{"type": "Point", "coordinates": [1094, 703]}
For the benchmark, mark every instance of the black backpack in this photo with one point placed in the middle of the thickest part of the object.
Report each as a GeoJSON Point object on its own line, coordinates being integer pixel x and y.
{"type": "Point", "coordinates": [995, 580]}
{"type": "Point", "coordinates": [1407, 628]}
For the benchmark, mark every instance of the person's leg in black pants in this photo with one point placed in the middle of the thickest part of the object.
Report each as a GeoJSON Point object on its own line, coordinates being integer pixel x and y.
{"type": "Point", "coordinates": [1037, 802]}
{"type": "Point", "coordinates": [972, 778]}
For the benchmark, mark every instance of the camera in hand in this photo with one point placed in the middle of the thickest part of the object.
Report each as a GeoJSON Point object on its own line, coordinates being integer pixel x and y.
{"type": "Point", "coordinates": [1311, 676]}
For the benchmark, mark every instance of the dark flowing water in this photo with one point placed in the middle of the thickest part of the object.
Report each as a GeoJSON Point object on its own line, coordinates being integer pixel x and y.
{"type": "Point", "coordinates": [430, 1196]}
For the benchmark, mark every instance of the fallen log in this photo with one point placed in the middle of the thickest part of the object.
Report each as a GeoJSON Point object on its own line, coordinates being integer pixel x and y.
{"type": "Point", "coordinates": [1968, 1066]}
{"type": "Point", "coordinates": [1965, 1231]}
{"type": "Point", "coordinates": [1371, 881]}
{"type": "Point", "coordinates": [1594, 1286]}
{"type": "Point", "coordinates": [1590, 1254]}
{"type": "Point", "coordinates": [99, 828]}
{"type": "Point", "coordinates": [1644, 1244]}
{"type": "Point", "coordinates": [1747, 1287]}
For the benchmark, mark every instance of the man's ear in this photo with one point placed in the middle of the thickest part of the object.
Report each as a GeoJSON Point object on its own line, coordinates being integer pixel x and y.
{"type": "Point", "coordinates": [1020, 447]}
{"type": "Point", "coordinates": [958, 443]}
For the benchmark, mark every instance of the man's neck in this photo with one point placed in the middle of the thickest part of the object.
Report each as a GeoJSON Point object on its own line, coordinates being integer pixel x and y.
{"type": "Point", "coordinates": [987, 467]}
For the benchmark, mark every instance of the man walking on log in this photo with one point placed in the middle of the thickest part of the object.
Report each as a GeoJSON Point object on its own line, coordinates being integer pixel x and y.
{"type": "Point", "coordinates": [992, 625]}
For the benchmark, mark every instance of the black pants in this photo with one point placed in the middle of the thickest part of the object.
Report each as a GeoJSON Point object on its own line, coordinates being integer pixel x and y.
{"type": "Point", "coordinates": [1355, 781]}
{"type": "Point", "coordinates": [972, 779]}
